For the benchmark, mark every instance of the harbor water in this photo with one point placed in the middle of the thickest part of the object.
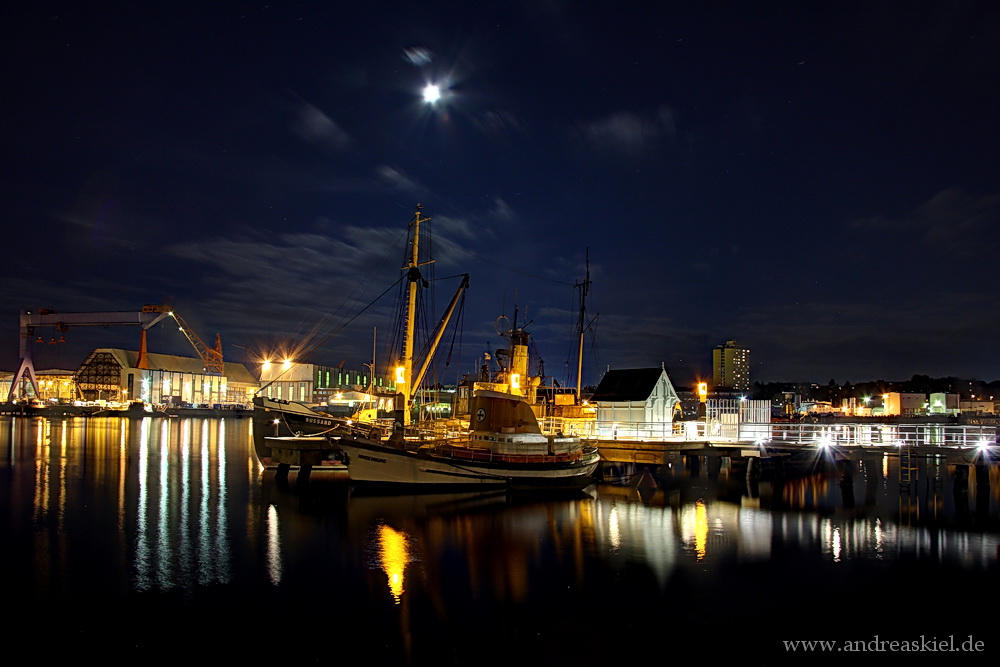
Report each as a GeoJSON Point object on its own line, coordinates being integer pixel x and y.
{"type": "Point", "coordinates": [163, 539]}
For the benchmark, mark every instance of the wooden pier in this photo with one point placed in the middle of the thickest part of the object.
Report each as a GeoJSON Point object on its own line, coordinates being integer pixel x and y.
{"type": "Point", "coordinates": [959, 444]}
{"type": "Point", "coordinates": [756, 444]}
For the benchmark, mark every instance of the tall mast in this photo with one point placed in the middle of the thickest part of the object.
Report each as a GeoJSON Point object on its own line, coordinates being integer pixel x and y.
{"type": "Point", "coordinates": [371, 368]}
{"type": "Point", "coordinates": [404, 372]}
{"type": "Point", "coordinates": [584, 288]}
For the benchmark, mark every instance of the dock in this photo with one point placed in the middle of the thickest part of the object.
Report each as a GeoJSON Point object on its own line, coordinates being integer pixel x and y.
{"type": "Point", "coordinates": [958, 444]}
{"type": "Point", "coordinates": [303, 452]}
{"type": "Point", "coordinates": [754, 444]}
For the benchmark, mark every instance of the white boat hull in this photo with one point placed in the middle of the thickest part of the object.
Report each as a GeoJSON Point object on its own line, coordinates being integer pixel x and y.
{"type": "Point", "coordinates": [371, 462]}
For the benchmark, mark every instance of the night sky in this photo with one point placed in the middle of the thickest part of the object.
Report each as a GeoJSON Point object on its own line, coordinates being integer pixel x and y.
{"type": "Point", "coordinates": [818, 181]}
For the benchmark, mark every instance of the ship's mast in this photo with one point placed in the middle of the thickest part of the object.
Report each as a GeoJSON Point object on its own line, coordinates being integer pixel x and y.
{"type": "Point", "coordinates": [404, 372]}
{"type": "Point", "coordinates": [584, 288]}
{"type": "Point", "coordinates": [371, 369]}
{"type": "Point", "coordinates": [407, 380]}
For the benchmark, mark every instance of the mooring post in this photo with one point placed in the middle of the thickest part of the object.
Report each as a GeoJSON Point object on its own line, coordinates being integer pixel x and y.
{"type": "Point", "coordinates": [847, 483]}
{"type": "Point", "coordinates": [982, 490]}
{"type": "Point", "coordinates": [961, 489]}
{"type": "Point", "coordinates": [303, 478]}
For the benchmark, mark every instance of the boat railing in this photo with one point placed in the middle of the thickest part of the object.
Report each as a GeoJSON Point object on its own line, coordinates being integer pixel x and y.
{"type": "Point", "coordinates": [440, 429]}
{"type": "Point", "coordinates": [490, 456]}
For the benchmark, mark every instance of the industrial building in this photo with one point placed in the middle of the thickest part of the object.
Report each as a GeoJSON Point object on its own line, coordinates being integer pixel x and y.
{"type": "Point", "coordinates": [165, 379]}
{"type": "Point", "coordinates": [325, 386]}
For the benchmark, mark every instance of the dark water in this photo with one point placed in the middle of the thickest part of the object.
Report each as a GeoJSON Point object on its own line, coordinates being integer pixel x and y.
{"type": "Point", "coordinates": [161, 540]}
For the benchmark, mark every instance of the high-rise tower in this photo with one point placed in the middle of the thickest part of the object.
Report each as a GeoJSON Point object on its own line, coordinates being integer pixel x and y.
{"type": "Point", "coordinates": [731, 366]}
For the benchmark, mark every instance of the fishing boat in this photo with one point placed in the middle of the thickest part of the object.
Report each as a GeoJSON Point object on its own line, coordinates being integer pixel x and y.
{"type": "Point", "coordinates": [503, 446]}
{"type": "Point", "coordinates": [500, 442]}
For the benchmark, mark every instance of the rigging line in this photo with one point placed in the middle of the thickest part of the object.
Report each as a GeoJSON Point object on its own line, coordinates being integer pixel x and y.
{"type": "Point", "coordinates": [362, 286]}
{"type": "Point", "coordinates": [460, 321]}
{"type": "Point", "coordinates": [310, 350]}
{"type": "Point", "coordinates": [343, 326]}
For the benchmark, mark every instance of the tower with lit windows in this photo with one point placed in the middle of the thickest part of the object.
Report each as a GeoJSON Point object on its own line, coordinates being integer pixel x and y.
{"type": "Point", "coordinates": [731, 366]}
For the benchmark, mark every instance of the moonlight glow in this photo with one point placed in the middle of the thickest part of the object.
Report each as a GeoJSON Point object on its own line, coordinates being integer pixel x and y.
{"type": "Point", "coordinates": [431, 93]}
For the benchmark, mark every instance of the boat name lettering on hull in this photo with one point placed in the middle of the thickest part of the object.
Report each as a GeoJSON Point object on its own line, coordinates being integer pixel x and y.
{"type": "Point", "coordinates": [313, 420]}
{"type": "Point", "coordinates": [371, 458]}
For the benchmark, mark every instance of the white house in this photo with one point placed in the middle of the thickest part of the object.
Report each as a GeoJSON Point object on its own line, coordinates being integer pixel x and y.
{"type": "Point", "coordinates": [635, 403]}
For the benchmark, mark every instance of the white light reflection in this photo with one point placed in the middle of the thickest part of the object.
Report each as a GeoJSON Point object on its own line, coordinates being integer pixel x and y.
{"type": "Point", "coordinates": [184, 531]}
{"type": "Point", "coordinates": [41, 497]}
{"type": "Point", "coordinates": [273, 545]}
{"type": "Point", "coordinates": [122, 477]}
{"type": "Point", "coordinates": [614, 530]}
{"type": "Point", "coordinates": [181, 536]}
{"type": "Point", "coordinates": [164, 550]}
{"type": "Point", "coordinates": [222, 540]}
{"type": "Point", "coordinates": [633, 530]}
{"type": "Point", "coordinates": [204, 513]}
{"type": "Point", "coordinates": [142, 556]}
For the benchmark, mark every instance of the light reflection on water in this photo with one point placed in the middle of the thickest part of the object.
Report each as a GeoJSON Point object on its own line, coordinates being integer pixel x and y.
{"type": "Point", "coordinates": [394, 555]}
{"type": "Point", "coordinates": [140, 512]}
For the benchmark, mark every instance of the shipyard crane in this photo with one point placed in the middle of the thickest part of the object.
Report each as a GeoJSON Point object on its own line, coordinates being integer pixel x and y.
{"type": "Point", "coordinates": [147, 317]}
{"type": "Point", "coordinates": [211, 357]}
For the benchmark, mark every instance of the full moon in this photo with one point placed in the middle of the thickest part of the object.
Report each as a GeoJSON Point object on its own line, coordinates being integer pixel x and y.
{"type": "Point", "coordinates": [431, 93]}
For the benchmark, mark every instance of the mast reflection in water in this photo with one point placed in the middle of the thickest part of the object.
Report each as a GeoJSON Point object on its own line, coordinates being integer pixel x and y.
{"type": "Point", "coordinates": [163, 538]}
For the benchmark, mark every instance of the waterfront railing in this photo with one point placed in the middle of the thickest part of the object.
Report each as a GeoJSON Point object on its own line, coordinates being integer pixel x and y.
{"type": "Point", "coordinates": [841, 434]}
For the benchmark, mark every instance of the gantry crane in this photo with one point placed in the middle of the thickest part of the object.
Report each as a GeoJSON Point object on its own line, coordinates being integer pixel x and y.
{"type": "Point", "coordinates": [146, 318]}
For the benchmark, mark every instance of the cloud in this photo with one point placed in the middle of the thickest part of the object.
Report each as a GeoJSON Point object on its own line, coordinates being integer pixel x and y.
{"type": "Point", "coordinates": [878, 334]}
{"type": "Point", "coordinates": [291, 298]}
{"type": "Point", "coordinates": [949, 223]}
{"type": "Point", "coordinates": [417, 55]}
{"type": "Point", "coordinates": [502, 211]}
{"type": "Point", "coordinates": [629, 133]}
{"type": "Point", "coordinates": [314, 126]}
{"type": "Point", "coordinates": [397, 180]}
{"type": "Point", "coordinates": [499, 123]}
